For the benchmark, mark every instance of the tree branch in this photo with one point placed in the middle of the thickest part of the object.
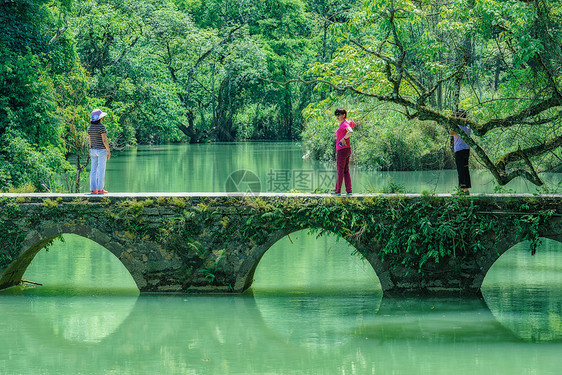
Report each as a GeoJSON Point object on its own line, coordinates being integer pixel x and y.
{"type": "Point", "coordinates": [524, 154]}
{"type": "Point", "coordinates": [59, 32]}
{"type": "Point", "coordinates": [520, 117]}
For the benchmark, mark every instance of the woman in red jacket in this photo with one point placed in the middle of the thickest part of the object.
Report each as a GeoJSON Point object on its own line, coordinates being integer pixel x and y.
{"type": "Point", "coordinates": [343, 150]}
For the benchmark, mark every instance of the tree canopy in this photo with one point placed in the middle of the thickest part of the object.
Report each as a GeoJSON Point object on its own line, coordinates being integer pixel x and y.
{"type": "Point", "coordinates": [211, 70]}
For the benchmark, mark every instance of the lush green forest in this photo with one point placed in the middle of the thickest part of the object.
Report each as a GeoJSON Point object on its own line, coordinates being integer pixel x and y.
{"type": "Point", "coordinates": [232, 70]}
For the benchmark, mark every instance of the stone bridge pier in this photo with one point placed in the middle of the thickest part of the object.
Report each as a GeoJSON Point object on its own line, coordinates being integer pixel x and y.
{"type": "Point", "coordinates": [213, 242]}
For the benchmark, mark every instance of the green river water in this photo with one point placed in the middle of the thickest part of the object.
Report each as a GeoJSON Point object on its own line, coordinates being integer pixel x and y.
{"type": "Point", "coordinates": [314, 307]}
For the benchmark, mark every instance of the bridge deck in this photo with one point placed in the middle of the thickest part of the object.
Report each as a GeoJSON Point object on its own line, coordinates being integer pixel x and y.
{"type": "Point", "coordinates": [228, 194]}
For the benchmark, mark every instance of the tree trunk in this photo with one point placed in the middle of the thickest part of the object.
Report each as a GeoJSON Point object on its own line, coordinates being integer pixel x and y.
{"type": "Point", "coordinates": [225, 112]}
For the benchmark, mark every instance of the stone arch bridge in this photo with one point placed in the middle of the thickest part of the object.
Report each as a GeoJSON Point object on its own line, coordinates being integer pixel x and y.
{"type": "Point", "coordinates": [213, 242]}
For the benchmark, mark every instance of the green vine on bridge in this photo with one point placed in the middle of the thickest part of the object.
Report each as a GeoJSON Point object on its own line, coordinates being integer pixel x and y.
{"type": "Point", "coordinates": [413, 232]}
{"type": "Point", "coordinates": [10, 235]}
{"type": "Point", "coordinates": [400, 230]}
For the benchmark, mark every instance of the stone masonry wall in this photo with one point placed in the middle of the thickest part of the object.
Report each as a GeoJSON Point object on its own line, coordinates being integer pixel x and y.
{"type": "Point", "coordinates": [185, 243]}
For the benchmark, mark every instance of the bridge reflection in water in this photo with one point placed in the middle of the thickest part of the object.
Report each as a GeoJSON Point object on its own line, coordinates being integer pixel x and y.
{"type": "Point", "coordinates": [305, 326]}
{"type": "Point", "coordinates": [299, 277]}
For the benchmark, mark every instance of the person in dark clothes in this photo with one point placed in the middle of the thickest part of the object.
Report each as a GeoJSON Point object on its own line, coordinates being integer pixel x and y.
{"type": "Point", "coordinates": [462, 153]}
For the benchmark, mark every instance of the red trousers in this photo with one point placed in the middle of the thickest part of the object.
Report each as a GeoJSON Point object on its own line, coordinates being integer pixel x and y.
{"type": "Point", "coordinates": [342, 163]}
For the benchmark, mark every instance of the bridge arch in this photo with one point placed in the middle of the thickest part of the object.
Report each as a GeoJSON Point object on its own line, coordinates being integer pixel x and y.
{"type": "Point", "coordinates": [250, 264]}
{"type": "Point", "coordinates": [509, 243]}
{"type": "Point", "coordinates": [523, 291]}
{"type": "Point", "coordinates": [40, 237]}
{"type": "Point", "coordinates": [520, 253]}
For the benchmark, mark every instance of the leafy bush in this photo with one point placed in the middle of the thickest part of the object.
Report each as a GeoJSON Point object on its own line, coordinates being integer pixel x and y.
{"type": "Point", "coordinates": [22, 165]}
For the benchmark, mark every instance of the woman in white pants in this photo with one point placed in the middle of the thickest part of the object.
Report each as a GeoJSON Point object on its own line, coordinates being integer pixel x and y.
{"type": "Point", "coordinates": [99, 151]}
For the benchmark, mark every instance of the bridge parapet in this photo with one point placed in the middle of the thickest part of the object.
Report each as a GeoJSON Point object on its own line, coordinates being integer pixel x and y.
{"type": "Point", "coordinates": [417, 244]}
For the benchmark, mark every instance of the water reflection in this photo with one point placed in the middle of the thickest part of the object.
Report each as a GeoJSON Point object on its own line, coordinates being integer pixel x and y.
{"type": "Point", "coordinates": [315, 291]}
{"type": "Point", "coordinates": [438, 320]}
{"type": "Point", "coordinates": [229, 334]}
{"type": "Point", "coordinates": [315, 309]}
{"type": "Point", "coordinates": [524, 292]}
{"type": "Point", "coordinates": [78, 319]}
{"type": "Point", "coordinates": [317, 320]}
{"type": "Point", "coordinates": [279, 166]}
{"type": "Point", "coordinates": [86, 293]}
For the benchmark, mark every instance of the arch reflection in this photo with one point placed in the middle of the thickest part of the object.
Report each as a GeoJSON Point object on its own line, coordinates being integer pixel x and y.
{"type": "Point", "coordinates": [80, 279]}
{"type": "Point", "coordinates": [315, 291]}
{"type": "Point", "coordinates": [524, 292]}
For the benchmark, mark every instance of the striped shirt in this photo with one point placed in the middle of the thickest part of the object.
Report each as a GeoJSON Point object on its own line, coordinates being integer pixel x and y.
{"type": "Point", "coordinates": [95, 131]}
